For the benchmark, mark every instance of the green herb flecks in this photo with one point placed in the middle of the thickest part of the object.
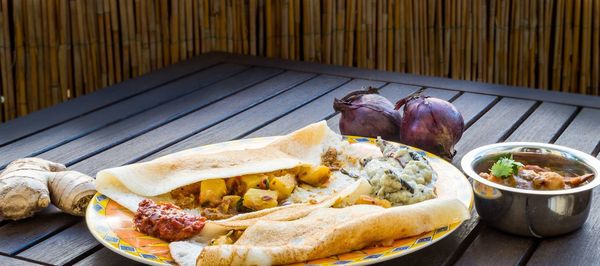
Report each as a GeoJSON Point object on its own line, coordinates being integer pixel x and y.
{"type": "Point", "coordinates": [506, 167]}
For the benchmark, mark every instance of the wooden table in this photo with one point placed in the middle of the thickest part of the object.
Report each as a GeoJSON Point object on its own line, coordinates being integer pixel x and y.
{"type": "Point", "coordinates": [220, 97]}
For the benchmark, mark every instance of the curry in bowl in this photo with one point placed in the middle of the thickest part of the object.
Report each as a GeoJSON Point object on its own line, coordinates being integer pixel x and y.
{"type": "Point", "coordinates": [534, 171]}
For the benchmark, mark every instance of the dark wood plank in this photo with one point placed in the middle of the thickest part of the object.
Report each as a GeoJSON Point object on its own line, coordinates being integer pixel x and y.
{"type": "Point", "coordinates": [105, 257]}
{"type": "Point", "coordinates": [471, 106]}
{"type": "Point", "coordinates": [94, 142]}
{"type": "Point", "coordinates": [131, 127]}
{"type": "Point", "coordinates": [63, 247]}
{"type": "Point", "coordinates": [16, 236]}
{"type": "Point", "coordinates": [36, 121]}
{"type": "Point", "coordinates": [314, 111]}
{"type": "Point", "coordinates": [417, 80]}
{"type": "Point", "coordinates": [493, 125]}
{"type": "Point", "coordinates": [544, 123]}
{"type": "Point", "coordinates": [73, 129]}
{"type": "Point", "coordinates": [581, 247]}
{"type": "Point", "coordinates": [4, 260]}
{"type": "Point", "coordinates": [257, 116]}
{"type": "Point", "coordinates": [495, 248]}
{"type": "Point", "coordinates": [584, 132]}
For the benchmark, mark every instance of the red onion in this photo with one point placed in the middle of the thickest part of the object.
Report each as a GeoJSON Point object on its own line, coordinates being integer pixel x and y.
{"type": "Point", "coordinates": [431, 124]}
{"type": "Point", "coordinates": [368, 114]}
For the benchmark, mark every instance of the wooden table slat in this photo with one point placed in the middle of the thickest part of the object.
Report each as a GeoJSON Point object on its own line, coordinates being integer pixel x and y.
{"type": "Point", "coordinates": [493, 125]}
{"type": "Point", "coordinates": [544, 123]}
{"type": "Point", "coordinates": [584, 132]}
{"type": "Point", "coordinates": [492, 247]}
{"type": "Point", "coordinates": [4, 260]}
{"type": "Point", "coordinates": [16, 236]}
{"type": "Point", "coordinates": [472, 106]}
{"type": "Point", "coordinates": [134, 126]}
{"type": "Point", "coordinates": [76, 128]}
{"type": "Point", "coordinates": [257, 116]}
{"type": "Point", "coordinates": [105, 257]}
{"type": "Point", "coordinates": [581, 247]}
{"type": "Point", "coordinates": [39, 120]}
{"type": "Point", "coordinates": [62, 247]}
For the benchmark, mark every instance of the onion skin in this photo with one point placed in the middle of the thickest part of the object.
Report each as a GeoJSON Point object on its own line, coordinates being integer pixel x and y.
{"type": "Point", "coordinates": [368, 114]}
{"type": "Point", "coordinates": [430, 124]}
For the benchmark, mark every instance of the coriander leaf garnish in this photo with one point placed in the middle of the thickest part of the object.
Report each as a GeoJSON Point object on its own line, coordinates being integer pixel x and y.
{"type": "Point", "coordinates": [505, 167]}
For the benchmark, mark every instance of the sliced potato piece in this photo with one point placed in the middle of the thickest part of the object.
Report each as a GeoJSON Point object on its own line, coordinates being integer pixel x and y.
{"type": "Point", "coordinates": [284, 185]}
{"type": "Point", "coordinates": [258, 199]}
{"type": "Point", "coordinates": [254, 181]}
{"type": "Point", "coordinates": [364, 199]}
{"type": "Point", "coordinates": [211, 192]}
{"type": "Point", "coordinates": [230, 202]}
{"type": "Point", "coordinates": [316, 176]}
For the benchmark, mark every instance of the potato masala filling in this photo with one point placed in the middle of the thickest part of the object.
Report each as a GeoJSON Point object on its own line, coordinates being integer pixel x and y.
{"type": "Point", "coordinates": [397, 176]}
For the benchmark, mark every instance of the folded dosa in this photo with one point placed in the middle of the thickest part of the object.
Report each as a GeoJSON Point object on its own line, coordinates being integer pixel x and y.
{"type": "Point", "coordinates": [329, 231]}
{"type": "Point", "coordinates": [130, 184]}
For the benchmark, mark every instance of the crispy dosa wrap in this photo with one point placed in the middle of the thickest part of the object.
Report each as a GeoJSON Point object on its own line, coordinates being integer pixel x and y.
{"type": "Point", "coordinates": [329, 231]}
{"type": "Point", "coordinates": [130, 184]}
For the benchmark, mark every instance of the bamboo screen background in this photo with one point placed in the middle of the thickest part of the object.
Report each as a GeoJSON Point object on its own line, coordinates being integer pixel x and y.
{"type": "Point", "coordinates": [53, 50]}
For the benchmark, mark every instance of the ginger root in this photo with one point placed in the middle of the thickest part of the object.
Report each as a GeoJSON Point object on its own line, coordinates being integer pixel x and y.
{"type": "Point", "coordinates": [28, 185]}
{"type": "Point", "coordinates": [71, 191]}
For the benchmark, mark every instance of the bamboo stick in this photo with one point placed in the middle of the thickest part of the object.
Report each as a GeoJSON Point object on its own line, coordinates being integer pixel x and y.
{"type": "Point", "coordinates": [575, 67]}
{"type": "Point", "coordinates": [189, 29]}
{"type": "Point", "coordinates": [91, 36]}
{"type": "Point", "coordinates": [10, 105]}
{"type": "Point", "coordinates": [52, 63]}
{"type": "Point", "coordinates": [584, 77]}
{"type": "Point", "coordinates": [351, 23]}
{"type": "Point", "coordinates": [568, 47]}
{"type": "Point", "coordinates": [18, 22]}
{"type": "Point", "coordinates": [379, 33]}
{"type": "Point", "coordinates": [31, 57]}
{"type": "Point", "coordinates": [110, 60]}
{"type": "Point", "coordinates": [141, 36]}
{"type": "Point", "coordinates": [65, 50]}
{"type": "Point", "coordinates": [181, 25]}
{"type": "Point", "coordinates": [532, 43]}
{"type": "Point", "coordinates": [102, 49]}
{"type": "Point", "coordinates": [153, 35]}
{"type": "Point", "coordinates": [596, 50]}
{"type": "Point", "coordinates": [261, 28]}
{"type": "Point", "coordinates": [42, 37]}
{"type": "Point", "coordinates": [469, 39]}
{"type": "Point", "coordinates": [317, 30]}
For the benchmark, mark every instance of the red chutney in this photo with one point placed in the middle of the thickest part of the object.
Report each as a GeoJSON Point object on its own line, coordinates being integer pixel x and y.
{"type": "Point", "coordinates": [166, 221]}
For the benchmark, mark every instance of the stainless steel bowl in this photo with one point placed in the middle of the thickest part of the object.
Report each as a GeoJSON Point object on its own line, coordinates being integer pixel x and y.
{"type": "Point", "coordinates": [537, 213]}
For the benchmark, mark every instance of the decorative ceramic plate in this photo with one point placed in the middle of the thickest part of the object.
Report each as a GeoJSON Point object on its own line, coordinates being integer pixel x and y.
{"type": "Point", "coordinates": [112, 225]}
